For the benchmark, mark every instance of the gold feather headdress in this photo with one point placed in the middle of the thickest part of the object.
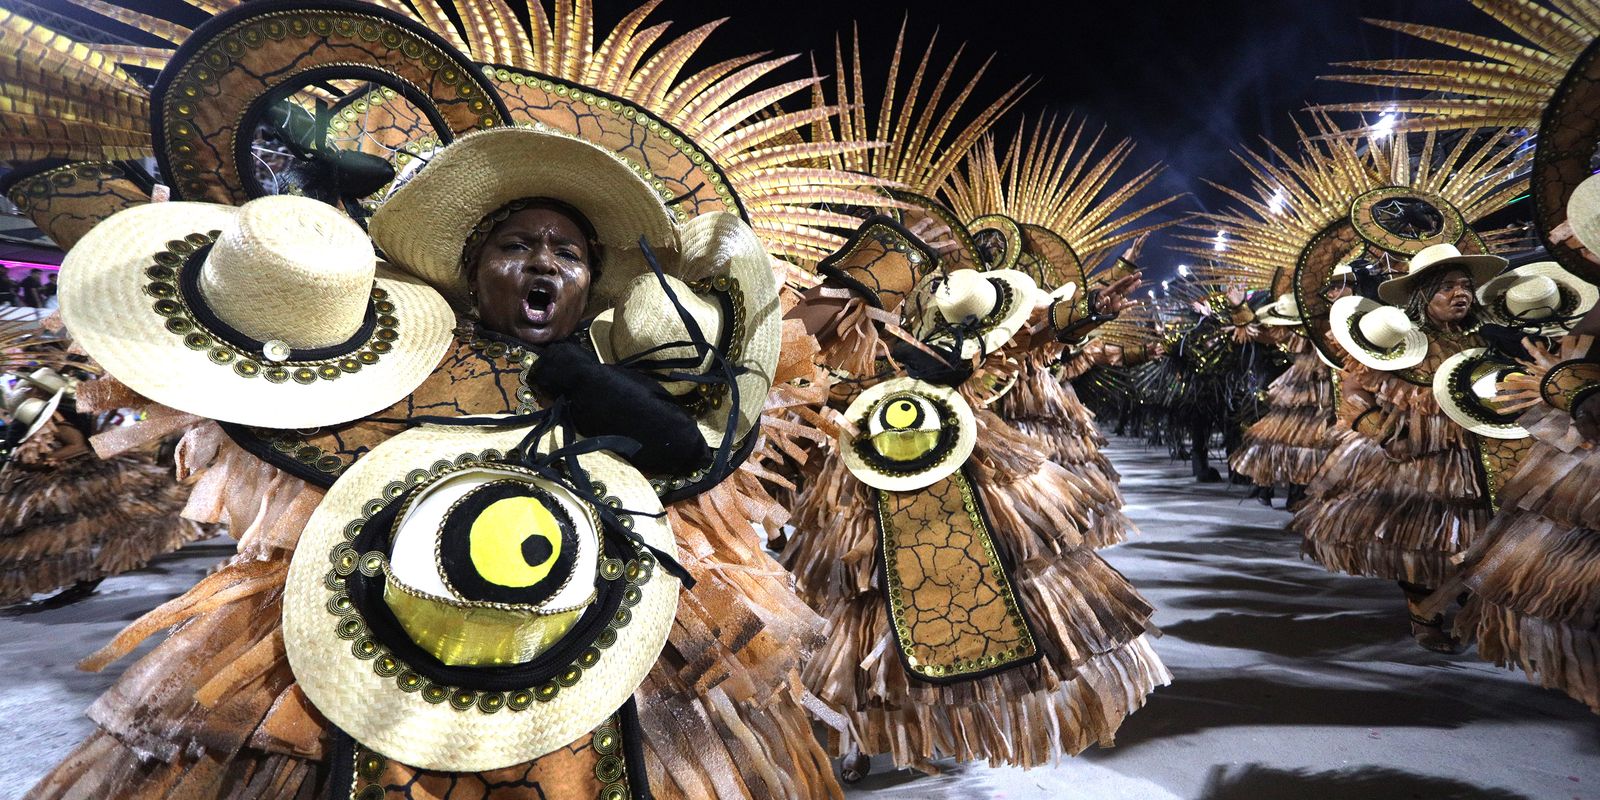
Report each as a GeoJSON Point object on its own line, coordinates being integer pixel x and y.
{"type": "Point", "coordinates": [70, 99]}
{"type": "Point", "coordinates": [1497, 83]}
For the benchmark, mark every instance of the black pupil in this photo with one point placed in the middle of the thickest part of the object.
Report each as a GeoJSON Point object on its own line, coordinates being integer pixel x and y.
{"type": "Point", "coordinates": [536, 550]}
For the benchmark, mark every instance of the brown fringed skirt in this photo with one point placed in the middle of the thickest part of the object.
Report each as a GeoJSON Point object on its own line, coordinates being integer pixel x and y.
{"type": "Point", "coordinates": [1535, 575]}
{"type": "Point", "coordinates": [1092, 626]}
{"type": "Point", "coordinates": [213, 711]}
{"type": "Point", "coordinates": [1044, 407]}
{"type": "Point", "coordinates": [1288, 445]}
{"type": "Point", "coordinates": [86, 519]}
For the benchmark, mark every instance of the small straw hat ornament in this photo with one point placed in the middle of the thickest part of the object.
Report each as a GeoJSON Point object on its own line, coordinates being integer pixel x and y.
{"type": "Point", "coordinates": [29, 413]}
{"type": "Point", "coordinates": [986, 308]}
{"type": "Point", "coordinates": [1379, 336]}
{"type": "Point", "coordinates": [1284, 311]}
{"type": "Point", "coordinates": [725, 283]}
{"type": "Point", "coordinates": [1431, 259]}
{"type": "Point", "coordinates": [425, 225]}
{"type": "Point", "coordinates": [911, 434]}
{"type": "Point", "coordinates": [1541, 296]}
{"type": "Point", "coordinates": [1466, 386]}
{"type": "Point", "coordinates": [272, 314]}
{"type": "Point", "coordinates": [455, 606]}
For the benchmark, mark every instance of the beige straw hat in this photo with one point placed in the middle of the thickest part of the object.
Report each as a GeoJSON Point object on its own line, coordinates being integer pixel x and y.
{"type": "Point", "coordinates": [1283, 311]}
{"type": "Point", "coordinates": [1542, 295]}
{"type": "Point", "coordinates": [1001, 300]}
{"type": "Point", "coordinates": [32, 412]}
{"type": "Point", "coordinates": [1583, 213]}
{"type": "Point", "coordinates": [912, 434]}
{"type": "Point", "coordinates": [1466, 386]}
{"type": "Point", "coordinates": [1396, 291]}
{"type": "Point", "coordinates": [48, 380]}
{"type": "Point", "coordinates": [424, 226]}
{"type": "Point", "coordinates": [270, 314]}
{"type": "Point", "coordinates": [501, 621]}
{"type": "Point", "coordinates": [726, 283]}
{"type": "Point", "coordinates": [1379, 336]}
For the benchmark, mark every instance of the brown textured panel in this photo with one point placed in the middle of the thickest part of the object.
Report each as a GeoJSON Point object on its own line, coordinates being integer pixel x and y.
{"type": "Point", "coordinates": [644, 141]}
{"type": "Point", "coordinates": [244, 55]}
{"type": "Point", "coordinates": [882, 261]}
{"type": "Point", "coordinates": [965, 255]}
{"type": "Point", "coordinates": [475, 377]}
{"type": "Point", "coordinates": [1326, 250]}
{"type": "Point", "coordinates": [576, 771]}
{"type": "Point", "coordinates": [1500, 459]}
{"type": "Point", "coordinates": [1568, 135]}
{"type": "Point", "coordinates": [1052, 263]}
{"type": "Point", "coordinates": [950, 601]}
{"type": "Point", "coordinates": [67, 201]}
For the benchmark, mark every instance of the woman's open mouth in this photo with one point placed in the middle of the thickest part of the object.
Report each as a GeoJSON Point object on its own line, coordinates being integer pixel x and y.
{"type": "Point", "coordinates": [539, 305]}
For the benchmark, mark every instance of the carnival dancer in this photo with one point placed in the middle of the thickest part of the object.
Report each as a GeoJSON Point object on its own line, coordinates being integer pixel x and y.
{"type": "Point", "coordinates": [969, 619]}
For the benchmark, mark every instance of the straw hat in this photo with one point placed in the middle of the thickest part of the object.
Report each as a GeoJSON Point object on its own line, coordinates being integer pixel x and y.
{"type": "Point", "coordinates": [1379, 336]}
{"type": "Point", "coordinates": [1284, 311]}
{"type": "Point", "coordinates": [732, 297]}
{"type": "Point", "coordinates": [1583, 213]}
{"type": "Point", "coordinates": [1000, 301]}
{"type": "Point", "coordinates": [270, 314]}
{"type": "Point", "coordinates": [912, 434]}
{"type": "Point", "coordinates": [424, 226]}
{"type": "Point", "coordinates": [1543, 296]}
{"type": "Point", "coordinates": [29, 413]}
{"type": "Point", "coordinates": [1466, 385]}
{"type": "Point", "coordinates": [48, 380]}
{"type": "Point", "coordinates": [1396, 291]}
{"type": "Point", "coordinates": [424, 619]}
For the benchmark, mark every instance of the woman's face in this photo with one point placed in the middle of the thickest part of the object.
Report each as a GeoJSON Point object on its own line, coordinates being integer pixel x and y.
{"type": "Point", "coordinates": [531, 276]}
{"type": "Point", "coordinates": [1452, 301]}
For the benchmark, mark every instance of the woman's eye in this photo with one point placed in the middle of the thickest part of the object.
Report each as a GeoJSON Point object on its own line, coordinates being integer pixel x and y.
{"type": "Point", "coordinates": [570, 255]}
{"type": "Point", "coordinates": [514, 247]}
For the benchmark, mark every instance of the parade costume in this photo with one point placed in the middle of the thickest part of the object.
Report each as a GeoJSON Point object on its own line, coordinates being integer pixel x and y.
{"type": "Point", "coordinates": [1287, 445]}
{"type": "Point", "coordinates": [1063, 204]}
{"type": "Point", "coordinates": [1532, 573]}
{"type": "Point", "coordinates": [1038, 628]}
{"type": "Point", "coordinates": [730, 721]}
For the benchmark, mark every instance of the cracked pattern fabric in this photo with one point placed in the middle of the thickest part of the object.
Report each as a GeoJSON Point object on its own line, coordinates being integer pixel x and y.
{"type": "Point", "coordinates": [574, 771]}
{"type": "Point", "coordinates": [67, 201]}
{"type": "Point", "coordinates": [950, 600]}
{"type": "Point", "coordinates": [202, 113]}
{"type": "Point", "coordinates": [688, 175]}
{"type": "Point", "coordinates": [883, 262]}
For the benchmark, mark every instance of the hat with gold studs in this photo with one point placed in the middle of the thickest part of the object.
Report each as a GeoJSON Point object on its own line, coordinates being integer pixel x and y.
{"type": "Point", "coordinates": [1467, 387]}
{"type": "Point", "coordinates": [462, 602]}
{"type": "Point", "coordinates": [1434, 259]}
{"type": "Point", "coordinates": [1379, 336]}
{"type": "Point", "coordinates": [1542, 297]}
{"type": "Point", "coordinates": [910, 434]}
{"type": "Point", "coordinates": [983, 309]}
{"type": "Point", "coordinates": [273, 313]}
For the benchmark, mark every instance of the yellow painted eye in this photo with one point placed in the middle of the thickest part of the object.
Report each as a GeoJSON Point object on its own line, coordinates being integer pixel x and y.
{"type": "Point", "coordinates": [901, 414]}
{"type": "Point", "coordinates": [515, 542]}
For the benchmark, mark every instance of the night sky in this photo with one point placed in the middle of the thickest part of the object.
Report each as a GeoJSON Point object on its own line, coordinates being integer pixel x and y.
{"type": "Point", "coordinates": [1189, 80]}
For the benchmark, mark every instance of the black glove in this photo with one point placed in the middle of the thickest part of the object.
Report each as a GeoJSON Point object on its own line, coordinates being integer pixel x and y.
{"type": "Point", "coordinates": [608, 400]}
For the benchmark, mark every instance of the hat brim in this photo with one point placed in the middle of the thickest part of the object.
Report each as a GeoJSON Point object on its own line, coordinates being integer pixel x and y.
{"type": "Point", "coordinates": [999, 330]}
{"type": "Point", "coordinates": [425, 225]}
{"type": "Point", "coordinates": [1346, 314]}
{"type": "Point", "coordinates": [1586, 294]}
{"type": "Point", "coordinates": [106, 309]}
{"type": "Point", "coordinates": [1482, 268]}
{"type": "Point", "coordinates": [401, 724]}
{"type": "Point", "coordinates": [1271, 317]}
{"type": "Point", "coordinates": [966, 437]}
{"type": "Point", "coordinates": [49, 410]}
{"type": "Point", "coordinates": [1463, 408]}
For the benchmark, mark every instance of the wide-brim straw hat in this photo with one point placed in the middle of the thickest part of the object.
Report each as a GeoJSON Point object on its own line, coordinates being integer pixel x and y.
{"type": "Point", "coordinates": [928, 431]}
{"type": "Point", "coordinates": [1014, 299]}
{"type": "Point", "coordinates": [727, 267]}
{"type": "Point", "coordinates": [363, 686]}
{"type": "Point", "coordinates": [271, 314]}
{"type": "Point", "coordinates": [32, 413]}
{"type": "Point", "coordinates": [1465, 386]}
{"type": "Point", "coordinates": [1432, 260]}
{"type": "Point", "coordinates": [1573, 297]}
{"type": "Point", "coordinates": [1583, 213]}
{"type": "Point", "coordinates": [1283, 311]}
{"type": "Point", "coordinates": [424, 226]}
{"type": "Point", "coordinates": [1410, 345]}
